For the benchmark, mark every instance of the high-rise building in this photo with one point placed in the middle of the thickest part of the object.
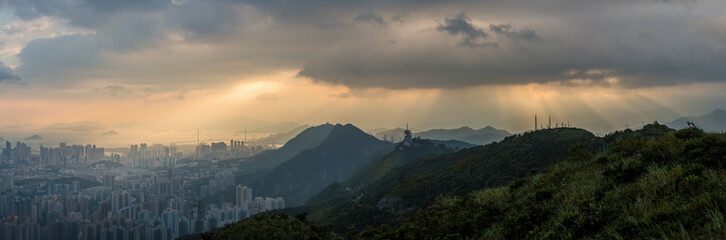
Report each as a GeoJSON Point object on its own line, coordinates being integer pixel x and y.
{"type": "Point", "coordinates": [243, 195]}
{"type": "Point", "coordinates": [6, 182]}
{"type": "Point", "coordinates": [109, 181]}
{"type": "Point", "coordinates": [8, 150]}
{"type": "Point", "coordinates": [76, 186]}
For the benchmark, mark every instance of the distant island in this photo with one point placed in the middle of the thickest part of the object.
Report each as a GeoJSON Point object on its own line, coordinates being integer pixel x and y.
{"type": "Point", "coordinates": [34, 137]}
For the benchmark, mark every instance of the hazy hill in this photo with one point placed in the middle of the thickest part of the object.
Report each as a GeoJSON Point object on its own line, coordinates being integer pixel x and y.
{"type": "Point", "coordinates": [392, 135]}
{"type": "Point", "coordinates": [278, 127]}
{"type": "Point", "coordinates": [380, 166]}
{"type": "Point", "coordinates": [282, 138]}
{"type": "Point", "coordinates": [712, 122]}
{"type": "Point", "coordinates": [481, 136]}
{"type": "Point", "coordinates": [307, 139]}
{"type": "Point", "coordinates": [345, 150]}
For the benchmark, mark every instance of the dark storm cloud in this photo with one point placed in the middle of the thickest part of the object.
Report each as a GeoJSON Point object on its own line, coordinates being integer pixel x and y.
{"type": "Point", "coordinates": [41, 57]}
{"type": "Point", "coordinates": [472, 36]}
{"type": "Point", "coordinates": [370, 17]}
{"type": "Point", "coordinates": [83, 13]}
{"type": "Point", "coordinates": [204, 17]}
{"type": "Point", "coordinates": [7, 74]}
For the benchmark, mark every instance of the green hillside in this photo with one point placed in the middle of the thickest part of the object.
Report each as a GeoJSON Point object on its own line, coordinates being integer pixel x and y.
{"type": "Point", "coordinates": [399, 156]}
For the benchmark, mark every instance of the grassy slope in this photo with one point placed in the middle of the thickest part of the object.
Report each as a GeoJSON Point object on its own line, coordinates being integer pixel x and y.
{"type": "Point", "coordinates": [669, 186]}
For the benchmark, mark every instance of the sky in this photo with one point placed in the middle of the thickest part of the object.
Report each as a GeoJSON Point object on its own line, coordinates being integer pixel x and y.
{"type": "Point", "coordinates": [157, 70]}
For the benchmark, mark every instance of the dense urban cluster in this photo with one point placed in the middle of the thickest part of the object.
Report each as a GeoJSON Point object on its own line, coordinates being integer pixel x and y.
{"type": "Point", "coordinates": [145, 192]}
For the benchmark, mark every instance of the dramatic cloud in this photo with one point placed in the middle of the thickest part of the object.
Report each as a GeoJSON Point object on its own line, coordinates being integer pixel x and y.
{"type": "Point", "coordinates": [197, 43]}
{"type": "Point", "coordinates": [460, 25]}
{"type": "Point", "coordinates": [50, 56]}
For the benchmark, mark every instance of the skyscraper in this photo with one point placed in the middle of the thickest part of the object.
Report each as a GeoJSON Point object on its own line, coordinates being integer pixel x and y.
{"type": "Point", "coordinates": [8, 149]}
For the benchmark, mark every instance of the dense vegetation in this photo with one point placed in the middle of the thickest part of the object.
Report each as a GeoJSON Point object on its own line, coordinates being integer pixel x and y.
{"type": "Point", "coordinates": [380, 166]}
{"type": "Point", "coordinates": [651, 183]}
{"type": "Point", "coordinates": [277, 226]}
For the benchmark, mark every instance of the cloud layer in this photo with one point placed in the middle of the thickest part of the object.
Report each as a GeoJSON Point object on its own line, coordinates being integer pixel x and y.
{"type": "Point", "coordinates": [380, 44]}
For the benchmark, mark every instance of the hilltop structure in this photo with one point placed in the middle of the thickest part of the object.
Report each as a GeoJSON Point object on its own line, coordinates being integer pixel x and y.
{"type": "Point", "coordinates": [407, 136]}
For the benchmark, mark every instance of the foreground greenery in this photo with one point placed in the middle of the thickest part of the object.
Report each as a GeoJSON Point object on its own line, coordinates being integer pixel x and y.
{"type": "Point", "coordinates": [278, 226]}
{"type": "Point", "coordinates": [651, 183]}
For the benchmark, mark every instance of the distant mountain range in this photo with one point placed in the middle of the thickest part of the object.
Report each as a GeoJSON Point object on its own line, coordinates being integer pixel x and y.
{"type": "Point", "coordinates": [711, 122]}
{"type": "Point", "coordinates": [481, 136]}
{"type": "Point", "coordinates": [282, 138]}
{"type": "Point", "coordinates": [392, 135]}
{"type": "Point", "coordinates": [279, 127]}
{"type": "Point", "coordinates": [109, 133]}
